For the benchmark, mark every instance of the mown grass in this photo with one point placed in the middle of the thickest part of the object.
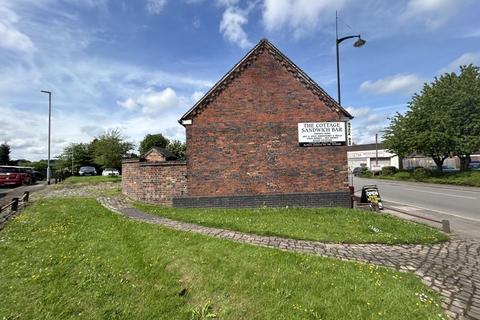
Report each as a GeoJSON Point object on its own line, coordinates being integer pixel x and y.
{"type": "Point", "coordinates": [91, 179]}
{"type": "Point", "coordinates": [321, 224]}
{"type": "Point", "coordinates": [72, 258]}
{"type": "Point", "coordinates": [468, 178]}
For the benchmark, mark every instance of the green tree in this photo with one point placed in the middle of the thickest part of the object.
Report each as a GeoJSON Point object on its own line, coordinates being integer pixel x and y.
{"type": "Point", "coordinates": [428, 119]}
{"type": "Point", "coordinates": [442, 121]}
{"type": "Point", "coordinates": [4, 153]}
{"type": "Point", "coordinates": [80, 153]}
{"type": "Point", "coordinates": [425, 127]}
{"type": "Point", "coordinates": [464, 115]}
{"type": "Point", "coordinates": [109, 148]}
{"type": "Point", "coordinates": [24, 163]}
{"type": "Point", "coordinates": [152, 140]}
{"type": "Point", "coordinates": [40, 165]}
{"type": "Point", "coordinates": [178, 148]}
{"type": "Point", "coordinates": [397, 138]}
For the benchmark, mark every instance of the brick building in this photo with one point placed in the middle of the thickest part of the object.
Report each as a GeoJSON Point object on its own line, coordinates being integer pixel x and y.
{"type": "Point", "coordinates": [244, 144]}
{"type": "Point", "coordinates": [157, 154]}
{"type": "Point", "coordinates": [242, 136]}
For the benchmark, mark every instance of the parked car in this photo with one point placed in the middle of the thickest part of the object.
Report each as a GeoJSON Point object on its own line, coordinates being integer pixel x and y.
{"type": "Point", "coordinates": [31, 172]}
{"type": "Point", "coordinates": [444, 168]}
{"type": "Point", "coordinates": [474, 165]}
{"type": "Point", "coordinates": [87, 171]}
{"type": "Point", "coordinates": [14, 176]}
{"type": "Point", "coordinates": [449, 169]}
{"type": "Point", "coordinates": [38, 175]}
{"type": "Point", "coordinates": [110, 172]}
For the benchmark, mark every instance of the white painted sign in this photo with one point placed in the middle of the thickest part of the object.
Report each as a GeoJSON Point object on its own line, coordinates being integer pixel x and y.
{"type": "Point", "coordinates": [322, 133]}
{"type": "Point", "coordinates": [382, 153]}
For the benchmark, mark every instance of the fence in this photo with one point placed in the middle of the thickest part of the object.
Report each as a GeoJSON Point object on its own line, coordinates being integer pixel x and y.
{"type": "Point", "coordinates": [11, 208]}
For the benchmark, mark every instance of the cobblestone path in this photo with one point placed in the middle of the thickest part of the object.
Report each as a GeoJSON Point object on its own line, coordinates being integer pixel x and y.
{"type": "Point", "coordinates": [451, 268]}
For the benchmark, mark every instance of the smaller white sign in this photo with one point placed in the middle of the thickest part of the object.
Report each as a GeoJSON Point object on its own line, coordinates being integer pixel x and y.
{"type": "Point", "coordinates": [322, 133]}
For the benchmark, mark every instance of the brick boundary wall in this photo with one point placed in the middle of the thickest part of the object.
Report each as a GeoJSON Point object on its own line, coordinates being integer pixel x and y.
{"type": "Point", "coordinates": [154, 182]}
{"type": "Point", "coordinates": [322, 199]}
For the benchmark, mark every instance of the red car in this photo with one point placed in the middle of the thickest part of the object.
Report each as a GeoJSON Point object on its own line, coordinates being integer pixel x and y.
{"type": "Point", "coordinates": [14, 176]}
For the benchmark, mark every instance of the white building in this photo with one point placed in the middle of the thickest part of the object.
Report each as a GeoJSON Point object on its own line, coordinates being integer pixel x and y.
{"type": "Point", "coordinates": [366, 155]}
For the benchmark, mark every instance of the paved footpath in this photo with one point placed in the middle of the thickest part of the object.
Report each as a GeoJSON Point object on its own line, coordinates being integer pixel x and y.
{"type": "Point", "coordinates": [451, 268]}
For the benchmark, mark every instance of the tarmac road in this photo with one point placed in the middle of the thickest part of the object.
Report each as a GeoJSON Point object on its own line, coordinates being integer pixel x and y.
{"type": "Point", "coordinates": [6, 194]}
{"type": "Point", "coordinates": [460, 205]}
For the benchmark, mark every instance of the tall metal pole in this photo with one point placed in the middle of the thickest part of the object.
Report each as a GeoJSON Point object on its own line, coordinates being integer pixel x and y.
{"type": "Point", "coordinates": [338, 59]}
{"type": "Point", "coordinates": [49, 132]}
{"type": "Point", "coordinates": [72, 159]}
{"type": "Point", "coordinates": [359, 43]}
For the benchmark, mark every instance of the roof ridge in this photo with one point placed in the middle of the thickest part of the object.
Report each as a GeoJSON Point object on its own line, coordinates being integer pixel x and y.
{"type": "Point", "coordinates": [308, 82]}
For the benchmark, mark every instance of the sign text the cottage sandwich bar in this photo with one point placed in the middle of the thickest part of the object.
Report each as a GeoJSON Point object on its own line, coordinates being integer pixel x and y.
{"type": "Point", "coordinates": [322, 133]}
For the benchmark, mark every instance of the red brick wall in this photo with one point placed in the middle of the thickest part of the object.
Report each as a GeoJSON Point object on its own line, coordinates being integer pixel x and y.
{"type": "Point", "coordinates": [154, 182]}
{"type": "Point", "coordinates": [246, 141]}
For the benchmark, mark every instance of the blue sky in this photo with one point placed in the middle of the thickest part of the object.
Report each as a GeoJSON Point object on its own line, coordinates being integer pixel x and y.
{"type": "Point", "coordinates": [138, 65]}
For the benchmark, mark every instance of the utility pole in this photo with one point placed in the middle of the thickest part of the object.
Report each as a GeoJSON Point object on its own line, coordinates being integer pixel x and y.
{"type": "Point", "coordinates": [49, 131]}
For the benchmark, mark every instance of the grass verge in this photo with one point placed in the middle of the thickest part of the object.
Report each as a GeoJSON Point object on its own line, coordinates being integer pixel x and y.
{"type": "Point", "coordinates": [468, 178]}
{"type": "Point", "coordinates": [72, 258]}
{"type": "Point", "coordinates": [320, 224]}
{"type": "Point", "coordinates": [91, 179]}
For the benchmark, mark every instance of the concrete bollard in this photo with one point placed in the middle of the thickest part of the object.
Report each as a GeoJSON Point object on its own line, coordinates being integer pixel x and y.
{"type": "Point", "coordinates": [446, 226]}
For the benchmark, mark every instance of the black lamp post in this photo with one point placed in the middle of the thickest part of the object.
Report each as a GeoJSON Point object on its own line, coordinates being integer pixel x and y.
{"type": "Point", "coordinates": [360, 42]}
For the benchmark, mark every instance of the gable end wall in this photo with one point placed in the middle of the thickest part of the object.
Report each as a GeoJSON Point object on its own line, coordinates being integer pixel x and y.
{"type": "Point", "coordinates": [245, 142]}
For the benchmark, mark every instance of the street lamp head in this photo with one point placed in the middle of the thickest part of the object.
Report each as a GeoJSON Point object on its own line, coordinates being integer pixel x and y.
{"type": "Point", "coordinates": [359, 43]}
{"type": "Point", "coordinates": [44, 91]}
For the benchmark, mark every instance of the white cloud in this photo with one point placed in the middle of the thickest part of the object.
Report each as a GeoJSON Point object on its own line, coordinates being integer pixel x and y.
{"type": "Point", "coordinates": [371, 120]}
{"type": "Point", "coordinates": [299, 15]}
{"type": "Point", "coordinates": [156, 6]}
{"type": "Point", "coordinates": [472, 34]}
{"type": "Point", "coordinates": [434, 13]}
{"type": "Point", "coordinates": [128, 104]}
{"type": "Point", "coordinates": [28, 139]}
{"type": "Point", "coordinates": [231, 27]}
{"type": "Point", "coordinates": [91, 130]}
{"type": "Point", "coordinates": [10, 37]}
{"type": "Point", "coordinates": [399, 83]}
{"type": "Point", "coordinates": [227, 3]}
{"type": "Point", "coordinates": [197, 95]}
{"type": "Point", "coordinates": [155, 102]}
{"type": "Point", "coordinates": [464, 59]}
{"type": "Point", "coordinates": [358, 112]}
{"type": "Point", "coordinates": [87, 89]}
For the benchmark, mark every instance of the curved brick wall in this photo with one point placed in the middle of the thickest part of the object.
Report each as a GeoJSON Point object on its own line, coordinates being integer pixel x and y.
{"type": "Point", "coordinates": [154, 182]}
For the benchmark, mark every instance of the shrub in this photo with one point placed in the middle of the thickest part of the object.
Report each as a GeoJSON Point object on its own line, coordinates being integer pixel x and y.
{"type": "Point", "coordinates": [421, 173]}
{"type": "Point", "coordinates": [389, 170]}
{"type": "Point", "coordinates": [403, 175]}
{"type": "Point", "coordinates": [366, 174]}
{"type": "Point", "coordinates": [363, 170]}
